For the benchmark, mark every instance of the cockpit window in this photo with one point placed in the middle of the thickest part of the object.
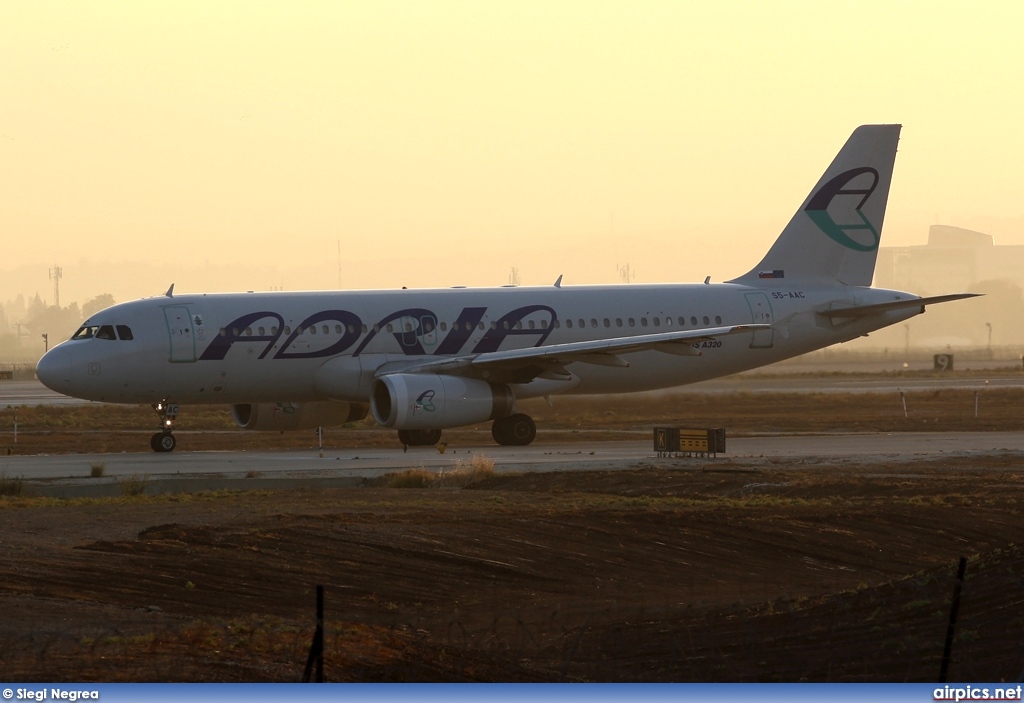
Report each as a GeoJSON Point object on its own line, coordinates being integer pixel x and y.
{"type": "Point", "coordinates": [87, 332]}
{"type": "Point", "coordinates": [103, 332]}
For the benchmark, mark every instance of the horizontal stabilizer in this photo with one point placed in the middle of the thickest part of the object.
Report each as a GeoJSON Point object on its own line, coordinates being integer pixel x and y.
{"type": "Point", "coordinates": [864, 310]}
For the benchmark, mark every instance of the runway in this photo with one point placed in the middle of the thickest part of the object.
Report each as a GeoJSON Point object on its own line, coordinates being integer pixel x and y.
{"type": "Point", "coordinates": [68, 475]}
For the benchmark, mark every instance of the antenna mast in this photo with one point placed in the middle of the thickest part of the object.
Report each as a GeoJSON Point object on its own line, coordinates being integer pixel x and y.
{"type": "Point", "coordinates": [626, 273]}
{"type": "Point", "coordinates": [56, 273]}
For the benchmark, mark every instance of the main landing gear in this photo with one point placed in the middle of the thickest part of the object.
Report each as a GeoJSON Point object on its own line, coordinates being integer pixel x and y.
{"type": "Point", "coordinates": [419, 438]}
{"type": "Point", "coordinates": [163, 441]}
{"type": "Point", "coordinates": [515, 430]}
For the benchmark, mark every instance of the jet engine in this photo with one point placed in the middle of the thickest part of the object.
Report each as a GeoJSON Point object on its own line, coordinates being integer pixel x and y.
{"type": "Point", "coordinates": [296, 416]}
{"type": "Point", "coordinates": [434, 402]}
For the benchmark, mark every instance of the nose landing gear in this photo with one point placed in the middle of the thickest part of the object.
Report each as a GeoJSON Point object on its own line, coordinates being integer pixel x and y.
{"type": "Point", "coordinates": [164, 441]}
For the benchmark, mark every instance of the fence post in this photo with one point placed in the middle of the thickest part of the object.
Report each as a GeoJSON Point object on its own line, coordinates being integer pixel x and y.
{"type": "Point", "coordinates": [951, 629]}
{"type": "Point", "coordinates": [316, 650]}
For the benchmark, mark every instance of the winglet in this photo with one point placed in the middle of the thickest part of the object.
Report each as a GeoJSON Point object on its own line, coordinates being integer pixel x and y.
{"type": "Point", "coordinates": [558, 283]}
{"type": "Point", "coordinates": [170, 291]}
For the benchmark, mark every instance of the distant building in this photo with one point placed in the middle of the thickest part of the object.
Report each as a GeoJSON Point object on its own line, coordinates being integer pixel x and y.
{"type": "Point", "coordinates": [953, 260]}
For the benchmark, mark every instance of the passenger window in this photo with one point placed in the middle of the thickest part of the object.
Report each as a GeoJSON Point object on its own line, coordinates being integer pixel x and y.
{"type": "Point", "coordinates": [287, 329]}
{"type": "Point", "coordinates": [444, 326]}
{"type": "Point", "coordinates": [391, 328]}
{"type": "Point", "coordinates": [261, 330]}
{"type": "Point", "coordinates": [693, 320]}
{"type": "Point", "coordinates": [643, 321]}
{"type": "Point", "coordinates": [223, 332]}
{"type": "Point", "coordinates": [327, 330]}
{"type": "Point", "coordinates": [494, 325]}
{"type": "Point", "coordinates": [618, 322]}
{"type": "Point", "coordinates": [312, 329]}
{"type": "Point", "coordinates": [706, 320]}
{"type": "Point", "coordinates": [234, 331]}
{"type": "Point", "coordinates": [125, 332]}
{"type": "Point", "coordinates": [248, 331]}
{"type": "Point", "coordinates": [106, 332]}
{"type": "Point", "coordinates": [480, 326]}
{"type": "Point", "coordinates": [593, 322]}
{"type": "Point", "coordinates": [531, 324]}
{"type": "Point", "coordinates": [607, 322]}
{"type": "Point", "coordinates": [657, 321]}
{"type": "Point", "coordinates": [544, 324]}
{"type": "Point", "coordinates": [273, 330]}
{"type": "Point", "coordinates": [632, 322]}
{"type": "Point", "coordinates": [718, 319]}
{"type": "Point", "coordinates": [668, 321]}
{"type": "Point", "coordinates": [568, 323]}
{"type": "Point", "coordinates": [583, 323]}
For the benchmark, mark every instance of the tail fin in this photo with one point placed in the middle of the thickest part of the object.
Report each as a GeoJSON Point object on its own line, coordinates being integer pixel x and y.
{"type": "Point", "coordinates": [834, 235]}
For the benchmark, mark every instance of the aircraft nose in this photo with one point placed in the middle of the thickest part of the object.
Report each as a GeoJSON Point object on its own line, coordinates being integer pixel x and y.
{"type": "Point", "coordinates": [54, 369]}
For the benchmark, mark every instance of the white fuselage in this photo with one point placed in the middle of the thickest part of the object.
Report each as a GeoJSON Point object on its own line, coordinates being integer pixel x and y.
{"type": "Point", "coordinates": [312, 346]}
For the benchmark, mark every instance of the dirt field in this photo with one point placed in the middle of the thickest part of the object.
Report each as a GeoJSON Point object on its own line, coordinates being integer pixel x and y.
{"type": "Point", "coordinates": [683, 570]}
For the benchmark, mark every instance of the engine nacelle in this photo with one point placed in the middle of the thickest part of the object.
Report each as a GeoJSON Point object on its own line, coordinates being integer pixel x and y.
{"type": "Point", "coordinates": [296, 416]}
{"type": "Point", "coordinates": [435, 402]}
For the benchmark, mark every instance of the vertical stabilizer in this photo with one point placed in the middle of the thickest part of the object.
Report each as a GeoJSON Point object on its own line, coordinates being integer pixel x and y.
{"type": "Point", "coordinates": [834, 235]}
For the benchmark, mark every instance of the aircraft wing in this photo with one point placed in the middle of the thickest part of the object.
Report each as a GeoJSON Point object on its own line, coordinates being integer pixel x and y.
{"type": "Point", "coordinates": [524, 365]}
{"type": "Point", "coordinates": [863, 310]}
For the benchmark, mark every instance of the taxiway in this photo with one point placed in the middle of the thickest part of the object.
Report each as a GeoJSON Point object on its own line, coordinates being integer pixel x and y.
{"type": "Point", "coordinates": [69, 474]}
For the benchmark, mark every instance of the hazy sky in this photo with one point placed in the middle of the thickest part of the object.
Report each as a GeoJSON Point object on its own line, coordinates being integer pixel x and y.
{"type": "Point", "coordinates": [231, 146]}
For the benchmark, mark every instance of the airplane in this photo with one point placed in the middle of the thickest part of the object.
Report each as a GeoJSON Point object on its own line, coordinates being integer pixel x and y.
{"type": "Point", "coordinates": [422, 361]}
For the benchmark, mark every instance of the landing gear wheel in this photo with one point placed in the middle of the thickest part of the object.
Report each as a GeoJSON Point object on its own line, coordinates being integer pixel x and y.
{"type": "Point", "coordinates": [419, 438]}
{"type": "Point", "coordinates": [163, 442]}
{"type": "Point", "coordinates": [515, 430]}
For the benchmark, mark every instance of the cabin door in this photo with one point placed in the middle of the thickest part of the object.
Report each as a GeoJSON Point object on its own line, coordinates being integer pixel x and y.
{"type": "Point", "coordinates": [179, 327]}
{"type": "Point", "coordinates": [761, 312]}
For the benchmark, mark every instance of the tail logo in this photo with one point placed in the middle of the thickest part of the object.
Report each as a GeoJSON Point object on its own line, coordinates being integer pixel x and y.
{"type": "Point", "coordinates": [839, 189]}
